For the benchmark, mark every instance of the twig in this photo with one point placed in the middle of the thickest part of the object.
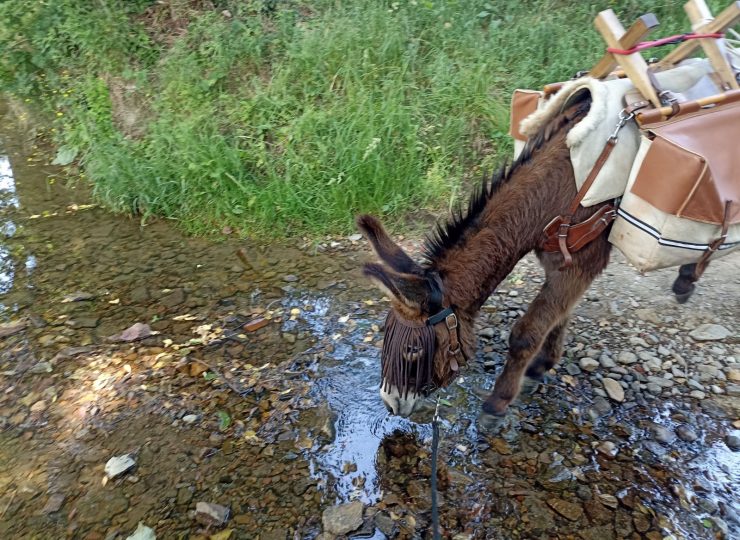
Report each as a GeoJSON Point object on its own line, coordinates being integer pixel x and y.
{"type": "Point", "coordinates": [12, 498]}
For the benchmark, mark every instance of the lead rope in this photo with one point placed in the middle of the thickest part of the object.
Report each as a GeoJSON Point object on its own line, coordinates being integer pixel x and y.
{"type": "Point", "coordinates": [435, 445]}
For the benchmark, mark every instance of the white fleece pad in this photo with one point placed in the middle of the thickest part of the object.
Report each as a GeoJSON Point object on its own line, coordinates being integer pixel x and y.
{"type": "Point", "coordinates": [587, 139]}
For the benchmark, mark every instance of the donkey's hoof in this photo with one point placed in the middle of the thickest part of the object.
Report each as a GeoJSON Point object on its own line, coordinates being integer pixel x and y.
{"type": "Point", "coordinates": [495, 409]}
{"type": "Point", "coordinates": [683, 289]}
{"type": "Point", "coordinates": [531, 385]}
{"type": "Point", "coordinates": [492, 423]}
{"type": "Point", "coordinates": [682, 298]}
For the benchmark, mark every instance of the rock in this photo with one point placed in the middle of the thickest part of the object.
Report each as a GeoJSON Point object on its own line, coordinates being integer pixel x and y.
{"type": "Point", "coordinates": [601, 406]}
{"type": "Point", "coordinates": [343, 518]}
{"type": "Point", "coordinates": [211, 514]}
{"type": "Point", "coordinates": [568, 510]}
{"type": "Point", "coordinates": [139, 295]}
{"type": "Point", "coordinates": [78, 297]}
{"type": "Point", "coordinates": [385, 524]}
{"type": "Point", "coordinates": [143, 532]}
{"type": "Point", "coordinates": [54, 504]}
{"type": "Point", "coordinates": [41, 367]}
{"type": "Point", "coordinates": [132, 333]}
{"type": "Point", "coordinates": [733, 374]}
{"type": "Point", "coordinates": [572, 369]}
{"type": "Point", "coordinates": [709, 332]}
{"type": "Point", "coordinates": [84, 322]}
{"type": "Point", "coordinates": [355, 237]}
{"type": "Point", "coordinates": [606, 362]}
{"type": "Point", "coordinates": [613, 389]}
{"type": "Point", "coordinates": [174, 298]}
{"type": "Point", "coordinates": [119, 465]}
{"type": "Point", "coordinates": [733, 442]}
{"type": "Point", "coordinates": [39, 407]}
{"type": "Point", "coordinates": [686, 433]}
{"type": "Point", "coordinates": [627, 357]}
{"type": "Point", "coordinates": [189, 418]}
{"type": "Point", "coordinates": [607, 448]}
{"type": "Point", "coordinates": [588, 364]}
{"type": "Point", "coordinates": [13, 327]}
{"type": "Point", "coordinates": [290, 278]}
{"type": "Point", "coordinates": [662, 435]}
{"type": "Point", "coordinates": [648, 315]}
{"type": "Point", "coordinates": [256, 324]}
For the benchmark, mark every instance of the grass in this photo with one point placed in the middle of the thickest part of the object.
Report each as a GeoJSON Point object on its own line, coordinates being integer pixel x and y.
{"type": "Point", "coordinates": [290, 117]}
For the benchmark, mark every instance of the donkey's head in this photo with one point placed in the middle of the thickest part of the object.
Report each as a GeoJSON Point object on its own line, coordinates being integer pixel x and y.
{"type": "Point", "coordinates": [426, 340]}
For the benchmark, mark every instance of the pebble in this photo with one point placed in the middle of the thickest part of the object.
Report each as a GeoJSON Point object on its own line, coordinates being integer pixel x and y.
{"type": "Point", "coordinates": [143, 532]}
{"type": "Point", "coordinates": [733, 442]}
{"type": "Point", "coordinates": [343, 518]}
{"type": "Point", "coordinates": [607, 362]}
{"type": "Point", "coordinates": [189, 418]}
{"type": "Point", "coordinates": [686, 433]}
{"type": "Point", "coordinates": [613, 389]}
{"type": "Point", "coordinates": [118, 465]}
{"type": "Point", "coordinates": [588, 364]}
{"type": "Point", "coordinates": [54, 504]}
{"type": "Point", "coordinates": [567, 509]}
{"type": "Point", "coordinates": [290, 278]}
{"type": "Point", "coordinates": [607, 448]}
{"type": "Point", "coordinates": [663, 435]}
{"type": "Point", "coordinates": [627, 357]}
{"type": "Point", "coordinates": [211, 514]}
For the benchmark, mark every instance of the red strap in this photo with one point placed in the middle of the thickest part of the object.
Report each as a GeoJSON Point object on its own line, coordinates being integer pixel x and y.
{"type": "Point", "coordinates": [664, 41]}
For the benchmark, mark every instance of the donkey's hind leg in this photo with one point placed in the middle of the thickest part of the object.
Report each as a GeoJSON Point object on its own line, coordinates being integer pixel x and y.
{"type": "Point", "coordinates": [550, 353]}
{"type": "Point", "coordinates": [684, 286]}
{"type": "Point", "coordinates": [558, 296]}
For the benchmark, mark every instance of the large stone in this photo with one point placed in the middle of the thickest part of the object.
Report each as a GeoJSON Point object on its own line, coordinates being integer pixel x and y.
{"type": "Point", "coordinates": [710, 332]}
{"type": "Point", "coordinates": [568, 510]}
{"type": "Point", "coordinates": [614, 389]}
{"type": "Point", "coordinates": [343, 518]}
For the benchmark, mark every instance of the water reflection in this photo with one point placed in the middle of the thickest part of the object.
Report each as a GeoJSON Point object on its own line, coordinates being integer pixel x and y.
{"type": "Point", "coordinates": [8, 201]}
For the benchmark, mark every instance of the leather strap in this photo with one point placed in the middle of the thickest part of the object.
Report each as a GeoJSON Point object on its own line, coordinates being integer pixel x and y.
{"type": "Point", "coordinates": [703, 262]}
{"type": "Point", "coordinates": [455, 350]}
{"type": "Point", "coordinates": [580, 234]}
{"type": "Point", "coordinates": [560, 233]}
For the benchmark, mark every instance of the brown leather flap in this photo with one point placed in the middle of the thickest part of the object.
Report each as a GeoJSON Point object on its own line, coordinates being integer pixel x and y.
{"type": "Point", "coordinates": [693, 165]}
{"type": "Point", "coordinates": [523, 103]}
{"type": "Point", "coordinates": [578, 235]}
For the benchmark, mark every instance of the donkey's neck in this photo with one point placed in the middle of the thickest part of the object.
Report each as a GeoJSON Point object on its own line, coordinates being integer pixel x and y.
{"type": "Point", "coordinates": [508, 227]}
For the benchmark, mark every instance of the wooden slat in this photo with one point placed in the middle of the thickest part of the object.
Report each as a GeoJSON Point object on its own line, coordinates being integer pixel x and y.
{"type": "Point", "coordinates": [636, 33]}
{"type": "Point", "coordinates": [701, 18]}
{"type": "Point", "coordinates": [722, 22]}
{"type": "Point", "coordinates": [634, 65]}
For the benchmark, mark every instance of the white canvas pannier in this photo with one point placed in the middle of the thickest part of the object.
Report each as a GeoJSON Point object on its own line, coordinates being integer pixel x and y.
{"type": "Point", "coordinates": [682, 201]}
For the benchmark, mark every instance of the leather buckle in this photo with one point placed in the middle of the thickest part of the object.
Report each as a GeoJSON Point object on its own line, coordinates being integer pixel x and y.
{"type": "Point", "coordinates": [454, 352]}
{"type": "Point", "coordinates": [563, 230]}
{"type": "Point", "coordinates": [451, 325]}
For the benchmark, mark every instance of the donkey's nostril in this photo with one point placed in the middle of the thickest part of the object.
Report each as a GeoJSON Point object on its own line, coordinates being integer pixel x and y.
{"type": "Point", "coordinates": [390, 409]}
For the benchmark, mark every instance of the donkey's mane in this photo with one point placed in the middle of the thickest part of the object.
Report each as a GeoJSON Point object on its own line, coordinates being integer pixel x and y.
{"type": "Point", "coordinates": [449, 234]}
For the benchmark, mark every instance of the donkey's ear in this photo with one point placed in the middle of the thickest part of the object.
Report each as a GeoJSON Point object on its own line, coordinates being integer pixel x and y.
{"type": "Point", "coordinates": [409, 289]}
{"type": "Point", "coordinates": [385, 248]}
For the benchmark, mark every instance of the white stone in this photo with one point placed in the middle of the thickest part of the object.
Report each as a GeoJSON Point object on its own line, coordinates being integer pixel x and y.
{"type": "Point", "coordinates": [709, 332]}
{"type": "Point", "coordinates": [143, 532]}
{"type": "Point", "coordinates": [119, 465]}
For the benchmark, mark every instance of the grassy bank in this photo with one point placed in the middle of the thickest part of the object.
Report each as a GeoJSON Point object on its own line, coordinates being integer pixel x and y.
{"type": "Point", "coordinates": [287, 117]}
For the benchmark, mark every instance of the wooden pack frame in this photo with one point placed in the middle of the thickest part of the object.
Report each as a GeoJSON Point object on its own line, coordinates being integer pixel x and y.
{"type": "Point", "coordinates": [634, 65]}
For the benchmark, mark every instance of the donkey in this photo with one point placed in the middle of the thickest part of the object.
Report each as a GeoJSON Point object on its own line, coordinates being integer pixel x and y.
{"type": "Point", "coordinates": [429, 331]}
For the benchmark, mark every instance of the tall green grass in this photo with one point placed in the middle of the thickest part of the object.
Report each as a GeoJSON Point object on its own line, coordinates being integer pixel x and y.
{"type": "Point", "coordinates": [290, 117]}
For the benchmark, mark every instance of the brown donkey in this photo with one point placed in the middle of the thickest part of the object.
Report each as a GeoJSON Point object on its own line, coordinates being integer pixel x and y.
{"type": "Point", "coordinates": [429, 331]}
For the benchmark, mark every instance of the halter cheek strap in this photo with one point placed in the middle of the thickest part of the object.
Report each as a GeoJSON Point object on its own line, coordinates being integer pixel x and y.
{"type": "Point", "coordinates": [450, 319]}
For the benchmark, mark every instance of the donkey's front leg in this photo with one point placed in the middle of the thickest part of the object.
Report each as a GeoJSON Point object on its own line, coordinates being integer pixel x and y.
{"type": "Point", "coordinates": [550, 353]}
{"type": "Point", "coordinates": [548, 310]}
